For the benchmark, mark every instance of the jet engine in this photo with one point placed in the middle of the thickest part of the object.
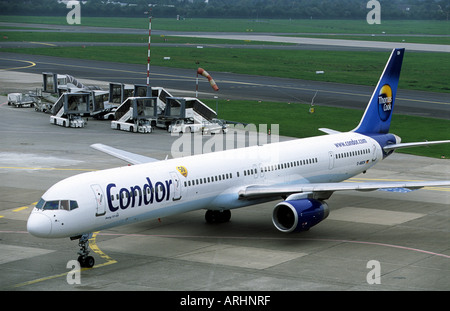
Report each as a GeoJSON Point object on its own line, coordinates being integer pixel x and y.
{"type": "Point", "coordinates": [299, 215]}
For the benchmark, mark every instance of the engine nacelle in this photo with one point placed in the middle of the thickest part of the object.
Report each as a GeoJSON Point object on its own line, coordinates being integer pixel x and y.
{"type": "Point", "coordinates": [299, 215]}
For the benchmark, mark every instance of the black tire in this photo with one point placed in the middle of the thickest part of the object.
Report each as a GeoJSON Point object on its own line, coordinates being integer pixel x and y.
{"type": "Point", "coordinates": [210, 217]}
{"type": "Point", "coordinates": [87, 262]}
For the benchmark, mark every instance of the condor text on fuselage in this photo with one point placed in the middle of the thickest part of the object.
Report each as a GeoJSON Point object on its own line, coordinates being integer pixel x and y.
{"type": "Point", "coordinates": [136, 195]}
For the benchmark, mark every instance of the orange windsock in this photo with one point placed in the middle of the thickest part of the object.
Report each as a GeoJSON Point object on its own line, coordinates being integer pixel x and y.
{"type": "Point", "coordinates": [204, 73]}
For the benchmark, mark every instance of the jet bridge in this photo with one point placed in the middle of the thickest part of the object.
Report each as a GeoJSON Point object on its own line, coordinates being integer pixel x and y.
{"type": "Point", "coordinates": [69, 110]}
{"type": "Point", "coordinates": [136, 114]}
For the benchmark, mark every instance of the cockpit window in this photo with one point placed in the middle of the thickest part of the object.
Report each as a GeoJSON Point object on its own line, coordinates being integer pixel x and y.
{"type": "Point", "coordinates": [64, 204]}
{"type": "Point", "coordinates": [40, 204]}
{"type": "Point", "coordinates": [51, 205]}
{"type": "Point", "coordinates": [67, 205]}
{"type": "Point", "coordinates": [73, 205]}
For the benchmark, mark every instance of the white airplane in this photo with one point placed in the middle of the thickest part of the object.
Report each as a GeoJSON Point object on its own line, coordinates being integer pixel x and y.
{"type": "Point", "coordinates": [305, 172]}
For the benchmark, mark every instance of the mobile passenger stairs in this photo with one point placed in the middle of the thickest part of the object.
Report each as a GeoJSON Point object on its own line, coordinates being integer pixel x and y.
{"type": "Point", "coordinates": [49, 94]}
{"type": "Point", "coordinates": [98, 100]}
{"type": "Point", "coordinates": [54, 85]}
{"type": "Point", "coordinates": [69, 110]}
{"type": "Point", "coordinates": [139, 114]}
{"type": "Point", "coordinates": [135, 115]}
{"type": "Point", "coordinates": [190, 115]}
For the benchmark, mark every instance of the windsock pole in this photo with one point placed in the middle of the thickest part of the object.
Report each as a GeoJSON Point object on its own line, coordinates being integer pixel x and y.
{"type": "Point", "coordinates": [196, 86]}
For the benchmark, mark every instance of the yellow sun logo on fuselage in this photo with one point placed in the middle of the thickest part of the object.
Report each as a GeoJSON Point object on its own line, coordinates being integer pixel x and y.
{"type": "Point", "coordinates": [183, 171]}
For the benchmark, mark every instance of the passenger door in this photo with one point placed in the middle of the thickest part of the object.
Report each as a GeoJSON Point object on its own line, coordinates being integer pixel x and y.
{"type": "Point", "coordinates": [176, 182]}
{"type": "Point", "coordinates": [331, 160]}
{"type": "Point", "coordinates": [100, 199]}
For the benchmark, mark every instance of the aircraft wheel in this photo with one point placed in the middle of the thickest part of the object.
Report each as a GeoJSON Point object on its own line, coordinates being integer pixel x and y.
{"type": "Point", "coordinates": [87, 262]}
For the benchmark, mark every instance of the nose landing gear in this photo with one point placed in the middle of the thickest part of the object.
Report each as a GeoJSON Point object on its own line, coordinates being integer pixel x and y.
{"type": "Point", "coordinates": [84, 259]}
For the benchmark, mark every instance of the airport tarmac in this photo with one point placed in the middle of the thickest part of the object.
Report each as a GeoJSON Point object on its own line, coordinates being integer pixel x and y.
{"type": "Point", "coordinates": [403, 236]}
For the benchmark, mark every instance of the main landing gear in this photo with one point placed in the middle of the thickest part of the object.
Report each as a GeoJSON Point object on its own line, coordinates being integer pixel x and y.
{"type": "Point", "coordinates": [84, 259]}
{"type": "Point", "coordinates": [217, 217]}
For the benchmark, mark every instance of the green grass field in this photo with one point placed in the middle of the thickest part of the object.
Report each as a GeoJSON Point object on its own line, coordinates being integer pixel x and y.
{"type": "Point", "coordinates": [251, 25]}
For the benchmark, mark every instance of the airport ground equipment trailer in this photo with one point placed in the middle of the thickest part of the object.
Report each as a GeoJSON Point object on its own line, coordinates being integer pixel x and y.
{"type": "Point", "coordinates": [70, 110]}
{"type": "Point", "coordinates": [20, 100]}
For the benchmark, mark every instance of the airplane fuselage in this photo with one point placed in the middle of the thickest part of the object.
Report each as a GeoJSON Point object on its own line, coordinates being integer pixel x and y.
{"type": "Point", "coordinates": [304, 172]}
{"type": "Point", "coordinates": [212, 181]}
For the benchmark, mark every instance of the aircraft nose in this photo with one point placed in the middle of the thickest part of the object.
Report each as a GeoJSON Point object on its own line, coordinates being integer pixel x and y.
{"type": "Point", "coordinates": [39, 225]}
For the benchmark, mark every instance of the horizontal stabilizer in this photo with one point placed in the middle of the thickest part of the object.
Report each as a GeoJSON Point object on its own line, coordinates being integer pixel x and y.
{"type": "Point", "coordinates": [407, 145]}
{"type": "Point", "coordinates": [129, 157]}
{"type": "Point", "coordinates": [328, 131]}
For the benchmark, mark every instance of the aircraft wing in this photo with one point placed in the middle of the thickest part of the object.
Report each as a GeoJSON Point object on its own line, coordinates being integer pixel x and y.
{"type": "Point", "coordinates": [129, 157]}
{"type": "Point", "coordinates": [262, 191]}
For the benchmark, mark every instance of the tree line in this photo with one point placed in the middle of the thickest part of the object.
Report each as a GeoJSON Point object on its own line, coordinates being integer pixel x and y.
{"type": "Point", "coordinates": [276, 9]}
